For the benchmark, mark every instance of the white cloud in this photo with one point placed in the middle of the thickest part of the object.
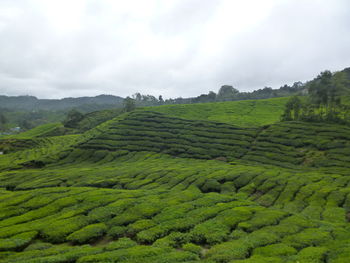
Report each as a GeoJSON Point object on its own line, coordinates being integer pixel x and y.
{"type": "Point", "coordinates": [61, 48]}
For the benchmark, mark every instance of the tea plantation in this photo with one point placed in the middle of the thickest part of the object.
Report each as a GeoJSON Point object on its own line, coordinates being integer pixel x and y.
{"type": "Point", "coordinates": [215, 183]}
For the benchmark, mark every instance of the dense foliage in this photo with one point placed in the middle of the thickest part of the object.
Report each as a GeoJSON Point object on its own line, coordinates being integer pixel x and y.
{"type": "Point", "coordinates": [210, 183]}
{"type": "Point", "coordinates": [324, 100]}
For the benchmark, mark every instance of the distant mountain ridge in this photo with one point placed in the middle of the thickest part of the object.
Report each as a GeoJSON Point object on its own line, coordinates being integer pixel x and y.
{"type": "Point", "coordinates": [33, 103]}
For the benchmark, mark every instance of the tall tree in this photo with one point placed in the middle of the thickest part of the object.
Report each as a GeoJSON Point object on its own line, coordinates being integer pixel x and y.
{"type": "Point", "coordinates": [227, 92]}
{"type": "Point", "coordinates": [73, 118]}
{"type": "Point", "coordinates": [129, 104]}
{"type": "Point", "coordinates": [292, 109]}
{"type": "Point", "coordinates": [3, 121]}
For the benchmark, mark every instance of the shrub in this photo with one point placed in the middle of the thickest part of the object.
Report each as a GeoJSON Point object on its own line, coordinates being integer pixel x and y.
{"type": "Point", "coordinates": [57, 231]}
{"type": "Point", "coordinates": [152, 234]}
{"type": "Point", "coordinates": [260, 238]}
{"type": "Point", "coordinates": [210, 232]}
{"type": "Point", "coordinates": [228, 188]}
{"type": "Point", "coordinates": [172, 257]}
{"type": "Point", "coordinates": [117, 231]}
{"type": "Point", "coordinates": [17, 241]}
{"type": "Point", "coordinates": [88, 233]}
{"type": "Point", "coordinates": [174, 239]}
{"type": "Point", "coordinates": [313, 254]}
{"type": "Point", "coordinates": [38, 246]}
{"type": "Point", "coordinates": [279, 249]}
{"type": "Point", "coordinates": [211, 185]}
{"type": "Point", "coordinates": [237, 234]}
{"type": "Point", "coordinates": [334, 214]}
{"type": "Point", "coordinates": [139, 225]}
{"type": "Point", "coordinates": [192, 248]}
{"type": "Point", "coordinates": [308, 237]}
{"type": "Point", "coordinates": [226, 251]}
{"type": "Point", "coordinates": [132, 254]}
{"type": "Point", "coordinates": [120, 244]}
{"type": "Point", "coordinates": [262, 218]}
{"type": "Point", "coordinates": [259, 259]}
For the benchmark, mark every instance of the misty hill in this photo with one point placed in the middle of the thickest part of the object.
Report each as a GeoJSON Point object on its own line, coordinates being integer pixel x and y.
{"type": "Point", "coordinates": [33, 103]}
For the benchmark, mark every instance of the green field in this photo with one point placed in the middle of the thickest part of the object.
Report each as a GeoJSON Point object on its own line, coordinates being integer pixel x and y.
{"type": "Point", "coordinates": [245, 113]}
{"type": "Point", "coordinates": [40, 131]}
{"type": "Point", "coordinates": [216, 183]}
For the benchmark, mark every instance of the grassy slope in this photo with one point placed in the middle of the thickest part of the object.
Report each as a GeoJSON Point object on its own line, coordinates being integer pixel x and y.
{"type": "Point", "coordinates": [107, 198]}
{"type": "Point", "coordinates": [291, 144]}
{"type": "Point", "coordinates": [247, 113]}
{"type": "Point", "coordinates": [39, 131]}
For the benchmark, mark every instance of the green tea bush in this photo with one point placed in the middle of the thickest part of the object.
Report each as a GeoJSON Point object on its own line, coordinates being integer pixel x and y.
{"type": "Point", "coordinates": [211, 185]}
{"type": "Point", "coordinates": [56, 231]}
{"type": "Point", "coordinates": [87, 233]}
{"type": "Point", "coordinates": [313, 254]}
{"type": "Point", "coordinates": [228, 188]}
{"type": "Point", "coordinates": [152, 234]}
{"type": "Point", "coordinates": [139, 225]}
{"type": "Point", "coordinates": [334, 214]}
{"type": "Point", "coordinates": [174, 239]}
{"type": "Point", "coordinates": [308, 237]}
{"type": "Point", "coordinates": [121, 243]}
{"type": "Point", "coordinates": [259, 259]}
{"type": "Point", "coordinates": [17, 241]}
{"type": "Point", "coordinates": [132, 254]}
{"type": "Point", "coordinates": [38, 246]}
{"type": "Point", "coordinates": [71, 255]}
{"type": "Point", "coordinates": [190, 247]}
{"type": "Point", "coordinates": [41, 212]}
{"type": "Point", "coordinates": [260, 238]}
{"type": "Point", "coordinates": [262, 218]}
{"type": "Point", "coordinates": [278, 250]}
{"type": "Point", "coordinates": [227, 251]}
{"type": "Point", "coordinates": [210, 232]}
{"type": "Point", "coordinates": [171, 257]}
{"type": "Point", "coordinates": [117, 231]}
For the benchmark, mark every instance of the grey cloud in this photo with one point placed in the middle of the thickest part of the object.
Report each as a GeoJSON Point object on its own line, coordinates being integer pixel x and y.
{"type": "Point", "coordinates": [174, 48]}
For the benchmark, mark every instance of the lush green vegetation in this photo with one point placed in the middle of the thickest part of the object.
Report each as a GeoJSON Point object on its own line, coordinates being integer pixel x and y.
{"type": "Point", "coordinates": [45, 130]}
{"type": "Point", "coordinates": [161, 184]}
{"type": "Point", "coordinates": [327, 100]}
{"type": "Point", "coordinates": [246, 113]}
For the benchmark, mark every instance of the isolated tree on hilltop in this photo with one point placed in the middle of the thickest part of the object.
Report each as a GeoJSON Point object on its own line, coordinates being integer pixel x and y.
{"type": "Point", "coordinates": [227, 92]}
{"type": "Point", "coordinates": [129, 104]}
{"type": "Point", "coordinates": [73, 118]}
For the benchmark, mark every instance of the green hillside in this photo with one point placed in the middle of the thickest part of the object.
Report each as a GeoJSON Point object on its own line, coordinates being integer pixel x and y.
{"type": "Point", "coordinates": [44, 130]}
{"type": "Point", "coordinates": [216, 183]}
{"type": "Point", "coordinates": [245, 113]}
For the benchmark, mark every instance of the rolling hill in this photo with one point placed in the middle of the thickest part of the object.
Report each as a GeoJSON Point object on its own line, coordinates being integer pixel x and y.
{"type": "Point", "coordinates": [33, 103]}
{"type": "Point", "coordinates": [214, 182]}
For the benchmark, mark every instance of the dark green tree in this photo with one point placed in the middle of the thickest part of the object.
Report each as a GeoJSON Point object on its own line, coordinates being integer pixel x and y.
{"type": "Point", "coordinates": [292, 109]}
{"type": "Point", "coordinates": [227, 92]}
{"type": "Point", "coordinates": [212, 96]}
{"type": "Point", "coordinates": [73, 118]}
{"type": "Point", "coordinates": [129, 104]}
{"type": "Point", "coordinates": [137, 96]}
{"type": "Point", "coordinates": [26, 124]}
{"type": "Point", "coordinates": [3, 121]}
{"type": "Point", "coordinates": [326, 91]}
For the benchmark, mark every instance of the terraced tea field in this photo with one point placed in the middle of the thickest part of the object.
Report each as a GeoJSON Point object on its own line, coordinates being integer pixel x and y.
{"type": "Point", "coordinates": [158, 186]}
{"type": "Point", "coordinates": [246, 113]}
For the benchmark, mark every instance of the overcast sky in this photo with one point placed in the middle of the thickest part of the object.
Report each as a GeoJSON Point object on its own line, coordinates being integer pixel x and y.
{"type": "Point", "coordinates": [64, 48]}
